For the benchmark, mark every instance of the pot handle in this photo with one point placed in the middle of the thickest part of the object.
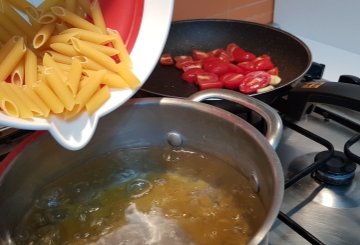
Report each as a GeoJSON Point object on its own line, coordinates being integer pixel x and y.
{"type": "Point", "coordinates": [271, 117]}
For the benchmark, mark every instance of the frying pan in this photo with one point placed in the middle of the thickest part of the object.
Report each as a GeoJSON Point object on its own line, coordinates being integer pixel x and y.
{"type": "Point", "coordinates": [289, 54]}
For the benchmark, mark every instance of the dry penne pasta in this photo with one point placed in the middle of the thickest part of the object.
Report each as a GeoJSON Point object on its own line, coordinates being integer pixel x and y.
{"type": "Point", "coordinates": [74, 76]}
{"type": "Point", "coordinates": [73, 19]}
{"type": "Point", "coordinates": [59, 88]}
{"type": "Point", "coordinates": [30, 93]}
{"type": "Point", "coordinates": [12, 58]}
{"type": "Point", "coordinates": [43, 35]}
{"type": "Point", "coordinates": [5, 50]}
{"type": "Point", "coordinates": [89, 88]}
{"type": "Point", "coordinates": [49, 62]}
{"type": "Point", "coordinates": [18, 74]}
{"type": "Point", "coordinates": [4, 34]}
{"type": "Point", "coordinates": [22, 108]}
{"type": "Point", "coordinates": [90, 36]}
{"type": "Point", "coordinates": [118, 43]}
{"type": "Point", "coordinates": [97, 16]}
{"type": "Point", "coordinates": [25, 100]}
{"type": "Point", "coordinates": [64, 48]}
{"type": "Point", "coordinates": [46, 18]}
{"type": "Point", "coordinates": [98, 99]}
{"type": "Point", "coordinates": [30, 67]}
{"type": "Point", "coordinates": [49, 97]}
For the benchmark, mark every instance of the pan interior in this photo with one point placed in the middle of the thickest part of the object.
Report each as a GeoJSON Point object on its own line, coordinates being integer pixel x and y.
{"type": "Point", "coordinates": [290, 54]}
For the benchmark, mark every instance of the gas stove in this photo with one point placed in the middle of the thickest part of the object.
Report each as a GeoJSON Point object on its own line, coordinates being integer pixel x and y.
{"type": "Point", "coordinates": [320, 153]}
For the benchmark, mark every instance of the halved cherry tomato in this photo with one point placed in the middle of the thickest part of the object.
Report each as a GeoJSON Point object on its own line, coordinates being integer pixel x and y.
{"type": "Point", "coordinates": [231, 47]}
{"type": "Point", "coordinates": [247, 66]}
{"type": "Point", "coordinates": [187, 65]}
{"type": "Point", "coordinates": [254, 81]}
{"type": "Point", "coordinates": [231, 80]}
{"type": "Point", "coordinates": [245, 56]}
{"type": "Point", "coordinates": [179, 58]}
{"type": "Point", "coordinates": [215, 65]}
{"type": "Point", "coordinates": [190, 75]}
{"type": "Point", "coordinates": [215, 52]}
{"type": "Point", "coordinates": [263, 63]}
{"type": "Point", "coordinates": [208, 80]}
{"type": "Point", "coordinates": [166, 59]}
{"type": "Point", "coordinates": [199, 54]}
{"type": "Point", "coordinates": [232, 68]}
{"type": "Point", "coordinates": [274, 71]}
{"type": "Point", "coordinates": [225, 56]}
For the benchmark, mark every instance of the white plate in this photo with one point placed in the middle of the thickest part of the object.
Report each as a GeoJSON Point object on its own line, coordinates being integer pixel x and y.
{"type": "Point", "coordinates": [75, 134]}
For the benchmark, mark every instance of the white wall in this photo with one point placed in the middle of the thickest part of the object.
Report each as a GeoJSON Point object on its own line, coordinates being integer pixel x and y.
{"type": "Point", "coordinates": [333, 22]}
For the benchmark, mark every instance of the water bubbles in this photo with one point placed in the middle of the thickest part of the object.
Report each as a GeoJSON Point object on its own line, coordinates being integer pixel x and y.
{"type": "Point", "coordinates": [124, 176]}
{"type": "Point", "coordinates": [139, 187]}
{"type": "Point", "coordinates": [52, 198]}
{"type": "Point", "coordinates": [81, 187]}
{"type": "Point", "coordinates": [160, 181]}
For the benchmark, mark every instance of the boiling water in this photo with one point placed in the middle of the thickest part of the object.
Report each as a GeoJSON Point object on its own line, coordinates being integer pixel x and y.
{"type": "Point", "coordinates": [145, 196]}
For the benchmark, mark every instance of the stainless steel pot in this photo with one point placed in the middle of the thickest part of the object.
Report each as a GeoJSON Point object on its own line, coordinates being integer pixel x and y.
{"type": "Point", "coordinates": [159, 122]}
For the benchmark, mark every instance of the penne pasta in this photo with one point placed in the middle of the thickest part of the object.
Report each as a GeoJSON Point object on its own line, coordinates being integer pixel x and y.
{"type": "Point", "coordinates": [46, 18]}
{"type": "Point", "coordinates": [97, 17]}
{"type": "Point", "coordinates": [90, 36]}
{"type": "Point", "coordinates": [59, 88]}
{"type": "Point", "coordinates": [97, 100]}
{"type": "Point", "coordinates": [118, 43]}
{"type": "Point", "coordinates": [25, 100]}
{"type": "Point", "coordinates": [73, 19]}
{"type": "Point", "coordinates": [43, 35]}
{"type": "Point", "coordinates": [5, 50]}
{"type": "Point", "coordinates": [74, 76]}
{"type": "Point", "coordinates": [109, 51]}
{"type": "Point", "coordinates": [88, 63]}
{"type": "Point", "coordinates": [128, 75]}
{"type": "Point", "coordinates": [62, 38]}
{"type": "Point", "coordinates": [22, 108]}
{"type": "Point", "coordinates": [49, 97]}
{"type": "Point", "coordinates": [17, 76]}
{"type": "Point", "coordinates": [94, 54]}
{"type": "Point", "coordinates": [65, 49]}
{"type": "Point", "coordinates": [60, 58]}
{"type": "Point", "coordinates": [30, 93]}
{"type": "Point", "coordinates": [49, 62]}
{"type": "Point", "coordinates": [89, 88]}
{"type": "Point", "coordinates": [30, 67]}
{"type": "Point", "coordinates": [114, 81]}
{"type": "Point", "coordinates": [12, 58]}
{"type": "Point", "coordinates": [60, 26]}
{"type": "Point", "coordinates": [7, 105]}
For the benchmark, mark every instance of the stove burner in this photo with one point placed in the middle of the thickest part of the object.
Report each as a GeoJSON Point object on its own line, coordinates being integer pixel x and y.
{"type": "Point", "coordinates": [338, 170]}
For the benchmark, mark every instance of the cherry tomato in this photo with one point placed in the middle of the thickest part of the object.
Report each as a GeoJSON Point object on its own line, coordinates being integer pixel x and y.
{"type": "Point", "coordinates": [225, 56]}
{"type": "Point", "coordinates": [247, 66]}
{"type": "Point", "coordinates": [215, 52]}
{"type": "Point", "coordinates": [231, 47]}
{"type": "Point", "coordinates": [263, 63]}
{"type": "Point", "coordinates": [208, 80]}
{"type": "Point", "coordinates": [274, 71]}
{"type": "Point", "coordinates": [215, 65]}
{"type": "Point", "coordinates": [187, 65]}
{"type": "Point", "coordinates": [232, 68]}
{"type": "Point", "coordinates": [190, 75]}
{"type": "Point", "coordinates": [245, 56]}
{"type": "Point", "coordinates": [166, 59]}
{"type": "Point", "coordinates": [231, 80]}
{"type": "Point", "coordinates": [179, 58]}
{"type": "Point", "coordinates": [199, 54]}
{"type": "Point", "coordinates": [254, 81]}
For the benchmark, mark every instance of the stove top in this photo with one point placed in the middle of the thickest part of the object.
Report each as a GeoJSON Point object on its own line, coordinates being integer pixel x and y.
{"type": "Point", "coordinates": [322, 195]}
{"type": "Point", "coordinates": [329, 212]}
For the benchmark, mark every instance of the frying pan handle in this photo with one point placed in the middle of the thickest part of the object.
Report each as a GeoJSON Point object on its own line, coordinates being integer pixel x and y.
{"type": "Point", "coordinates": [271, 117]}
{"type": "Point", "coordinates": [340, 94]}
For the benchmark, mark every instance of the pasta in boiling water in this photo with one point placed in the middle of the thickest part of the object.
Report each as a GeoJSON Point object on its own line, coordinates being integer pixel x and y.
{"type": "Point", "coordinates": [56, 61]}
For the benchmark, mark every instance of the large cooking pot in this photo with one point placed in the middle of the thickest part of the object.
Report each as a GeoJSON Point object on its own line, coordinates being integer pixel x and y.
{"type": "Point", "coordinates": [157, 122]}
